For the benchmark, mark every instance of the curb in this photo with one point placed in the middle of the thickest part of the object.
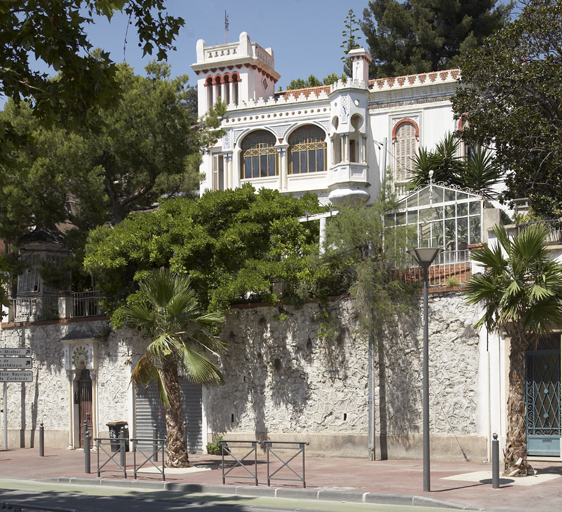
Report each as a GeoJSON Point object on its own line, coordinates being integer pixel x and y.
{"type": "Point", "coordinates": [263, 492]}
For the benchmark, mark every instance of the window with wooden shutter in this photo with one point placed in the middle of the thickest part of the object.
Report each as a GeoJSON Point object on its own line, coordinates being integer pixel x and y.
{"type": "Point", "coordinates": [405, 149]}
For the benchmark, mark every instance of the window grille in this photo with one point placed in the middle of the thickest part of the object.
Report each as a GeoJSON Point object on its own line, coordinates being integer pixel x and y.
{"type": "Point", "coordinates": [307, 150]}
{"type": "Point", "coordinates": [259, 155]}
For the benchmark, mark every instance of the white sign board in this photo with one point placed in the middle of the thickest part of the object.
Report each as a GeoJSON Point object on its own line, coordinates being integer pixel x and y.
{"type": "Point", "coordinates": [16, 376]}
{"type": "Point", "coordinates": [4, 351]}
{"type": "Point", "coordinates": [19, 363]}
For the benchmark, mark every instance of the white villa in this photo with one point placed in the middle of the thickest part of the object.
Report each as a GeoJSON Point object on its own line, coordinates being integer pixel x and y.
{"type": "Point", "coordinates": [282, 381]}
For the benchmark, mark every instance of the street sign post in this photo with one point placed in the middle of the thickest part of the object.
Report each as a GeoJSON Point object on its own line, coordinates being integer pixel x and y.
{"type": "Point", "coordinates": [12, 360]}
{"type": "Point", "coordinates": [16, 376]}
{"type": "Point", "coordinates": [15, 363]}
{"type": "Point", "coordinates": [5, 351]}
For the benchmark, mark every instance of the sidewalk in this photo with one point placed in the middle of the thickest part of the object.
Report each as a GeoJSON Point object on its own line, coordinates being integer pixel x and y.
{"type": "Point", "coordinates": [464, 484]}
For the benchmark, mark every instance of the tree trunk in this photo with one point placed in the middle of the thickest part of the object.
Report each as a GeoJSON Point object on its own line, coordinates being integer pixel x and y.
{"type": "Point", "coordinates": [176, 449]}
{"type": "Point", "coordinates": [516, 442]}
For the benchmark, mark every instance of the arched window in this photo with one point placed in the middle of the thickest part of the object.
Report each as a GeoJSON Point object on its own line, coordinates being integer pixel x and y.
{"type": "Point", "coordinates": [405, 146]}
{"type": "Point", "coordinates": [259, 155]}
{"type": "Point", "coordinates": [307, 147]}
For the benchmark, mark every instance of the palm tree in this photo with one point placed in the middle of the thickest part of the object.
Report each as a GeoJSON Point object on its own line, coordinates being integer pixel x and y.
{"type": "Point", "coordinates": [166, 311]}
{"type": "Point", "coordinates": [521, 293]}
{"type": "Point", "coordinates": [478, 170]}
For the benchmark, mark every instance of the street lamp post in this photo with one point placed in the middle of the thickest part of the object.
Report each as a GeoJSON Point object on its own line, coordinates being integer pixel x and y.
{"type": "Point", "coordinates": [425, 257]}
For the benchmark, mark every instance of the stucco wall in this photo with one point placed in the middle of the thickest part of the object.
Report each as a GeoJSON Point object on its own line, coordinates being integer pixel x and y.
{"type": "Point", "coordinates": [283, 382]}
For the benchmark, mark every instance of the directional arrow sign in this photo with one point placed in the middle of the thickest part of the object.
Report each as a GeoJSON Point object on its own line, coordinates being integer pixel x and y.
{"type": "Point", "coordinates": [16, 376]}
{"type": "Point", "coordinates": [15, 362]}
{"type": "Point", "coordinates": [15, 351]}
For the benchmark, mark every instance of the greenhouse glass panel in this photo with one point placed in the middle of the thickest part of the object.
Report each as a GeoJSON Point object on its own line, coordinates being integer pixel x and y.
{"type": "Point", "coordinates": [401, 219]}
{"type": "Point", "coordinates": [450, 235]}
{"type": "Point", "coordinates": [475, 230]}
{"type": "Point", "coordinates": [462, 233]}
{"type": "Point", "coordinates": [437, 194]}
{"type": "Point", "coordinates": [413, 201]}
{"type": "Point", "coordinates": [424, 197]}
{"type": "Point", "coordinates": [462, 210]}
{"type": "Point", "coordinates": [413, 217]}
{"type": "Point", "coordinates": [462, 195]}
{"type": "Point", "coordinates": [449, 195]}
{"type": "Point", "coordinates": [474, 207]}
{"type": "Point", "coordinates": [449, 211]}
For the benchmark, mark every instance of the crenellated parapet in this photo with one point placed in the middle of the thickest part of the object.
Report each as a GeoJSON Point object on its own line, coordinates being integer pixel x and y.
{"type": "Point", "coordinates": [418, 80]}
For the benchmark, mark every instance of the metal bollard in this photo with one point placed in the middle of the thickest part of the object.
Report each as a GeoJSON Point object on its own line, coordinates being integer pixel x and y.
{"type": "Point", "coordinates": [86, 452]}
{"type": "Point", "coordinates": [84, 428]}
{"type": "Point", "coordinates": [41, 440]}
{"type": "Point", "coordinates": [155, 442]}
{"type": "Point", "coordinates": [495, 462]}
{"type": "Point", "coordinates": [122, 446]}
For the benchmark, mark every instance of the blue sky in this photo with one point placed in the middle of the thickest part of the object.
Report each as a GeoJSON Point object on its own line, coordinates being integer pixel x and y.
{"type": "Point", "coordinates": [305, 35]}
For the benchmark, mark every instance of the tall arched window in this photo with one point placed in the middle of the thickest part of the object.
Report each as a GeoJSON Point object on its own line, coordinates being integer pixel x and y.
{"type": "Point", "coordinates": [307, 147]}
{"type": "Point", "coordinates": [259, 155]}
{"type": "Point", "coordinates": [405, 146]}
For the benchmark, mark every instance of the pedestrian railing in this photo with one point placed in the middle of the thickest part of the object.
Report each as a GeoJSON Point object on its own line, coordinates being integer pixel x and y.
{"type": "Point", "coordinates": [247, 459]}
{"type": "Point", "coordinates": [19, 507]}
{"type": "Point", "coordinates": [148, 459]}
{"type": "Point", "coordinates": [116, 455]}
{"type": "Point", "coordinates": [240, 461]}
{"type": "Point", "coordinates": [297, 448]}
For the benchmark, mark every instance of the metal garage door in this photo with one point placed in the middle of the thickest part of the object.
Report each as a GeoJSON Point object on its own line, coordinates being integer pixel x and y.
{"type": "Point", "coordinates": [149, 411]}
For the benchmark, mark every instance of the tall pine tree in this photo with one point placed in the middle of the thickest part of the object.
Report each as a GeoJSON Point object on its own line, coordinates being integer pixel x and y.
{"type": "Point", "coordinates": [417, 36]}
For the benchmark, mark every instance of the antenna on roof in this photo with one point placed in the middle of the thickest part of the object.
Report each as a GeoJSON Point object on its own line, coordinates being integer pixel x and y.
{"type": "Point", "coordinates": [225, 25]}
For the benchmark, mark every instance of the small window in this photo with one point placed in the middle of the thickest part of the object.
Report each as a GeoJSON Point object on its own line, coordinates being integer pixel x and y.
{"type": "Point", "coordinates": [307, 150]}
{"type": "Point", "coordinates": [218, 172]}
{"type": "Point", "coordinates": [405, 147]}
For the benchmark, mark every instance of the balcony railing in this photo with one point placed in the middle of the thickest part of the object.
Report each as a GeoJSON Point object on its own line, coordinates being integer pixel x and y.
{"type": "Point", "coordinates": [55, 307]}
{"type": "Point", "coordinates": [451, 268]}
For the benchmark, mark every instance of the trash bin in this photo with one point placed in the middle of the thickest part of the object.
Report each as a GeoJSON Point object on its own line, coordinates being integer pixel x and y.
{"type": "Point", "coordinates": [115, 428]}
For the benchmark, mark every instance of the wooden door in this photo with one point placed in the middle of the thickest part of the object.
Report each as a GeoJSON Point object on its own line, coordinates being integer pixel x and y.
{"type": "Point", "coordinates": [85, 405]}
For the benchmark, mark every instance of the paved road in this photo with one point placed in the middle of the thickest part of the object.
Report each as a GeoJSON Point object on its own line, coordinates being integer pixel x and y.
{"type": "Point", "coordinates": [108, 499]}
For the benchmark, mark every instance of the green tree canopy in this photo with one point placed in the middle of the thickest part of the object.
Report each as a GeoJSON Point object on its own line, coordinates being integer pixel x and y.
{"type": "Point", "coordinates": [350, 42]}
{"type": "Point", "coordinates": [52, 32]}
{"type": "Point", "coordinates": [512, 101]}
{"type": "Point", "coordinates": [235, 245]}
{"type": "Point", "coordinates": [416, 36]}
{"type": "Point", "coordinates": [312, 81]}
{"type": "Point", "coordinates": [145, 148]}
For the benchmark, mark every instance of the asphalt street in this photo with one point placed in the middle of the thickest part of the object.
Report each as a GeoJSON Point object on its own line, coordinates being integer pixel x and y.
{"type": "Point", "coordinates": [109, 499]}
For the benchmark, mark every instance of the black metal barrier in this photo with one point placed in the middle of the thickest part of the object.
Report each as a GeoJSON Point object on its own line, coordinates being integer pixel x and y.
{"type": "Point", "coordinates": [239, 462]}
{"type": "Point", "coordinates": [151, 457]}
{"type": "Point", "coordinates": [285, 445]}
{"type": "Point", "coordinates": [18, 507]}
{"type": "Point", "coordinates": [272, 449]}
{"type": "Point", "coordinates": [109, 442]}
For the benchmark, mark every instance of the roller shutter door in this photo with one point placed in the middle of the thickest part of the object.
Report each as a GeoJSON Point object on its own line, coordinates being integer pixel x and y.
{"type": "Point", "coordinates": [149, 411]}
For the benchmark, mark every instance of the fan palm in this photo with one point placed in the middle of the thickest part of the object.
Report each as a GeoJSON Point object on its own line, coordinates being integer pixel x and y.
{"type": "Point", "coordinates": [481, 172]}
{"type": "Point", "coordinates": [521, 293]}
{"type": "Point", "coordinates": [166, 311]}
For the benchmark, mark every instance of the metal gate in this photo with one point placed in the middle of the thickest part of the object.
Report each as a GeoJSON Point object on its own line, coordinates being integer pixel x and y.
{"type": "Point", "coordinates": [150, 411]}
{"type": "Point", "coordinates": [85, 404]}
{"type": "Point", "coordinates": [543, 402]}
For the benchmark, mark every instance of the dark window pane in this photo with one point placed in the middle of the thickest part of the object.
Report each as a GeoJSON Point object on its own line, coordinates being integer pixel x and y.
{"type": "Point", "coordinates": [320, 160]}
{"type": "Point", "coordinates": [255, 166]}
{"type": "Point", "coordinates": [271, 165]}
{"type": "Point", "coordinates": [247, 167]}
{"type": "Point", "coordinates": [296, 167]}
{"type": "Point", "coordinates": [263, 165]}
{"type": "Point", "coordinates": [304, 167]}
{"type": "Point", "coordinates": [312, 160]}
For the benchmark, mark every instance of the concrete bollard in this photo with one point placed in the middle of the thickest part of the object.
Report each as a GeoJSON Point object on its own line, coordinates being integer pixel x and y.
{"type": "Point", "coordinates": [41, 440]}
{"type": "Point", "coordinates": [495, 462]}
{"type": "Point", "coordinates": [86, 452]}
